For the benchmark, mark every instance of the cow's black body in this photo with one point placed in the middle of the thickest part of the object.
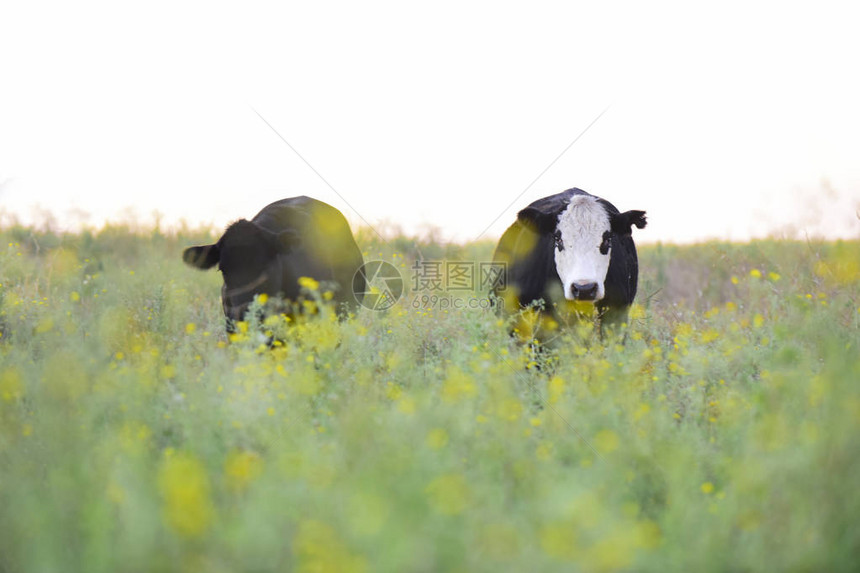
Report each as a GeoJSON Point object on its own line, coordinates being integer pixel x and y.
{"type": "Point", "coordinates": [527, 250]}
{"type": "Point", "coordinates": [289, 239]}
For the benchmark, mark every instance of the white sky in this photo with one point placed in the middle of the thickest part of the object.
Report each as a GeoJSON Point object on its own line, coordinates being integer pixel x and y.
{"type": "Point", "coordinates": [726, 120]}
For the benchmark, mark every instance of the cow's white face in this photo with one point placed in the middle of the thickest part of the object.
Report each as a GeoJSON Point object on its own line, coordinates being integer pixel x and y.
{"type": "Point", "coordinates": [582, 249]}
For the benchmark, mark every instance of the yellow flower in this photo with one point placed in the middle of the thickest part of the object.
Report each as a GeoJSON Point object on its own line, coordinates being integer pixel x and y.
{"type": "Point", "coordinates": [185, 491]}
{"type": "Point", "coordinates": [449, 494]}
{"type": "Point", "coordinates": [773, 276]}
{"type": "Point", "coordinates": [606, 441]}
{"type": "Point", "coordinates": [544, 451]}
{"type": "Point", "coordinates": [309, 283]}
{"type": "Point", "coordinates": [555, 388]}
{"type": "Point", "coordinates": [406, 405]}
{"type": "Point", "coordinates": [45, 325]}
{"type": "Point", "coordinates": [641, 411]}
{"type": "Point", "coordinates": [190, 328]}
{"type": "Point", "coordinates": [437, 439]}
{"type": "Point", "coordinates": [457, 386]}
{"type": "Point", "coordinates": [707, 488]}
{"type": "Point", "coordinates": [755, 273]}
{"type": "Point", "coordinates": [241, 468]}
{"type": "Point", "coordinates": [709, 335]}
{"type": "Point", "coordinates": [509, 409]}
{"type": "Point", "coordinates": [559, 540]}
{"type": "Point", "coordinates": [637, 311]}
{"type": "Point", "coordinates": [319, 549]}
{"type": "Point", "coordinates": [307, 384]}
{"type": "Point", "coordinates": [393, 392]}
{"type": "Point", "coordinates": [842, 267]}
{"type": "Point", "coordinates": [11, 387]}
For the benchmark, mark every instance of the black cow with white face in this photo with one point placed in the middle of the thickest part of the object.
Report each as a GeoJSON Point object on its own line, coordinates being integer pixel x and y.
{"type": "Point", "coordinates": [289, 239]}
{"type": "Point", "coordinates": [571, 246]}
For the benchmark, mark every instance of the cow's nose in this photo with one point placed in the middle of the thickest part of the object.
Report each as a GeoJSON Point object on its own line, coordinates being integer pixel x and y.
{"type": "Point", "coordinates": [583, 291]}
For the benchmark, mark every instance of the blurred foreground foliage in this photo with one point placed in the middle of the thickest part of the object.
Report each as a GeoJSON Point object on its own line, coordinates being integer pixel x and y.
{"type": "Point", "coordinates": [724, 434]}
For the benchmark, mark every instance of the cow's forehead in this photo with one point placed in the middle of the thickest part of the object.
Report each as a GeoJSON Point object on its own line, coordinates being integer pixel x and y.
{"type": "Point", "coordinates": [242, 234]}
{"type": "Point", "coordinates": [244, 250]}
{"type": "Point", "coordinates": [584, 218]}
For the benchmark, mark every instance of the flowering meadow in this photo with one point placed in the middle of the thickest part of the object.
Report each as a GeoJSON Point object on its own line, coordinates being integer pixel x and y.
{"type": "Point", "coordinates": [720, 432]}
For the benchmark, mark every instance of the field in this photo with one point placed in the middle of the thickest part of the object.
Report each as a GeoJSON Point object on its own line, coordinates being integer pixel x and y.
{"type": "Point", "coordinates": [722, 435]}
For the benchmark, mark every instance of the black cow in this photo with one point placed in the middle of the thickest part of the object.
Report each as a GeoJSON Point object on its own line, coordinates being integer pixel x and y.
{"type": "Point", "coordinates": [571, 246]}
{"type": "Point", "coordinates": [289, 239]}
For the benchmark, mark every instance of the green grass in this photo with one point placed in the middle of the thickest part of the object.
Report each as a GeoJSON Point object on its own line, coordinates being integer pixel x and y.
{"type": "Point", "coordinates": [723, 435]}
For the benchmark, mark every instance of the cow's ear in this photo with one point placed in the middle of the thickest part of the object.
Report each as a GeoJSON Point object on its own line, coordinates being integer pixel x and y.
{"type": "Point", "coordinates": [202, 257]}
{"type": "Point", "coordinates": [622, 223]}
{"type": "Point", "coordinates": [287, 241]}
{"type": "Point", "coordinates": [538, 219]}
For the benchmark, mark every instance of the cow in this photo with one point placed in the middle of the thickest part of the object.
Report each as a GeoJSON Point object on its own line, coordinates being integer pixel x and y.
{"type": "Point", "coordinates": [570, 251]}
{"type": "Point", "coordinates": [288, 240]}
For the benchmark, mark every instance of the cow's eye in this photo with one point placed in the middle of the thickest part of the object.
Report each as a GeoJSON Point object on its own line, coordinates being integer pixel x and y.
{"type": "Point", "coordinates": [606, 244]}
{"type": "Point", "coordinates": [559, 244]}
